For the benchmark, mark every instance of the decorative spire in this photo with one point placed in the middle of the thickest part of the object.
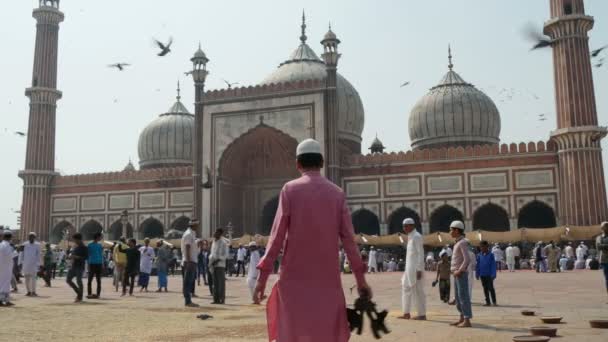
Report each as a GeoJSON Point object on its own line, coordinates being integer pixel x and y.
{"type": "Point", "coordinates": [179, 97]}
{"type": "Point", "coordinates": [303, 36]}
{"type": "Point", "coordinates": [450, 65]}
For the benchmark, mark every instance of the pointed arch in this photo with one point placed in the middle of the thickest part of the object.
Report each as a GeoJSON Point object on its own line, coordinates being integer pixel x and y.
{"type": "Point", "coordinates": [536, 214]}
{"type": "Point", "coordinates": [152, 228]}
{"type": "Point", "coordinates": [491, 217]}
{"type": "Point", "coordinates": [268, 214]}
{"type": "Point", "coordinates": [365, 222]}
{"type": "Point", "coordinates": [117, 230]}
{"type": "Point", "coordinates": [58, 233]}
{"type": "Point", "coordinates": [181, 223]}
{"type": "Point", "coordinates": [395, 220]}
{"type": "Point", "coordinates": [89, 229]}
{"type": "Point", "coordinates": [442, 217]}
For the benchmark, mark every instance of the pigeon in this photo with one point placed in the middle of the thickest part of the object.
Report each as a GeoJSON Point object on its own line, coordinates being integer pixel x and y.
{"type": "Point", "coordinates": [600, 63]}
{"type": "Point", "coordinates": [119, 66]}
{"type": "Point", "coordinates": [164, 49]}
{"type": "Point", "coordinates": [204, 317]}
{"type": "Point", "coordinates": [230, 84]}
{"type": "Point", "coordinates": [541, 40]}
{"type": "Point", "coordinates": [404, 84]}
{"type": "Point", "coordinates": [596, 52]}
{"type": "Point", "coordinates": [21, 134]}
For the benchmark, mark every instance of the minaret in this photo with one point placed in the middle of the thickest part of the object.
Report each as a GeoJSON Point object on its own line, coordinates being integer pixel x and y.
{"type": "Point", "coordinates": [199, 75]}
{"type": "Point", "coordinates": [582, 199]}
{"type": "Point", "coordinates": [332, 149]}
{"type": "Point", "coordinates": [40, 154]}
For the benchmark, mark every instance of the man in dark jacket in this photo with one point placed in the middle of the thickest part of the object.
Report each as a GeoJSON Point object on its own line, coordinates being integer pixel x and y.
{"type": "Point", "coordinates": [132, 268]}
{"type": "Point", "coordinates": [486, 271]}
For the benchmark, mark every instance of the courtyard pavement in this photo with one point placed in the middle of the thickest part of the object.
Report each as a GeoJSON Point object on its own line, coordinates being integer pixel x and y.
{"type": "Point", "coordinates": [578, 296]}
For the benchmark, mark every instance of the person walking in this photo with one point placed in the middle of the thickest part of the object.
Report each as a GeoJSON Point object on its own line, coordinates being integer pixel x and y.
{"type": "Point", "coordinates": [202, 261]}
{"type": "Point", "coordinates": [219, 254]}
{"type": "Point", "coordinates": [190, 256]}
{"type": "Point", "coordinates": [145, 265]}
{"type": "Point", "coordinates": [120, 262]}
{"type": "Point", "coordinates": [443, 276]}
{"type": "Point", "coordinates": [372, 263]}
{"type": "Point", "coordinates": [486, 271]}
{"type": "Point", "coordinates": [412, 283]}
{"type": "Point", "coordinates": [252, 271]}
{"type": "Point", "coordinates": [459, 268]}
{"type": "Point", "coordinates": [32, 254]}
{"type": "Point", "coordinates": [78, 258]}
{"type": "Point", "coordinates": [241, 253]}
{"type": "Point", "coordinates": [510, 256]}
{"type": "Point", "coordinates": [601, 244]}
{"type": "Point", "coordinates": [307, 301]}
{"type": "Point", "coordinates": [47, 264]}
{"type": "Point", "coordinates": [163, 258]}
{"type": "Point", "coordinates": [95, 265]}
{"type": "Point", "coordinates": [6, 268]}
{"type": "Point", "coordinates": [132, 268]}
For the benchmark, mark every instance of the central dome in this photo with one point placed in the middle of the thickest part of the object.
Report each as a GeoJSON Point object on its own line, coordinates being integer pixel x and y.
{"type": "Point", "coordinates": [304, 64]}
{"type": "Point", "coordinates": [454, 113]}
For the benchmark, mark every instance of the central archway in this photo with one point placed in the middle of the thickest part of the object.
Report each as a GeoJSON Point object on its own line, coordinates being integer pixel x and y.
{"type": "Point", "coordinates": [152, 228]}
{"type": "Point", "coordinates": [536, 214]}
{"type": "Point", "coordinates": [252, 171]}
{"type": "Point", "coordinates": [89, 229]}
{"type": "Point", "coordinates": [117, 230]}
{"type": "Point", "coordinates": [366, 222]}
{"type": "Point", "coordinates": [58, 233]}
{"type": "Point", "coordinates": [442, 217]}
{"type": "Point", "coordinates": [491, 217]}
{"type": "Point", "coordinates": [395, 224]}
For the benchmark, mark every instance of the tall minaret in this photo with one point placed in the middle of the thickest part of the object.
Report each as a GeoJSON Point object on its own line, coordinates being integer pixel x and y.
{"type": "Point", "coordinates": [582, 199]}
{"type": "Point", "coordinates": [332, 149]}
{"type": "Point", "coordinates": [40, 154]}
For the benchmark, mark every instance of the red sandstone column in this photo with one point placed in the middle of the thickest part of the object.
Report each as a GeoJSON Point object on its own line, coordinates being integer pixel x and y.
{"type": "Point", "coordinates": [40, 153]}
{"type": "Point", "coordinates": [582, 199]}
{"type": "Point", "coordinates": [332, 150]}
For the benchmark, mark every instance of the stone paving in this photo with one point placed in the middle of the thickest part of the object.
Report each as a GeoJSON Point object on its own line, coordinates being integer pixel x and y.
{"type": "Point", "coordinates": [577, 296]}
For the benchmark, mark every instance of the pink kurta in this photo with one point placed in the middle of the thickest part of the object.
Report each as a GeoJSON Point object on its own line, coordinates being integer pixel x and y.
{"type": "Point", "coordinates": [307, 302]}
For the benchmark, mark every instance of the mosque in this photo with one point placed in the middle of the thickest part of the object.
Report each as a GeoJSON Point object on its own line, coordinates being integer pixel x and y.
{"type": "Point", "coordinates": [239, 149]}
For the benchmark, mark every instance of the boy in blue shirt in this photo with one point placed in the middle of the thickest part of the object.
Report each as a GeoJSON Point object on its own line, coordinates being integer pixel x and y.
{"type": "Point", "coordinates": [95, 265]}
{"type": "Point", "coordinates": [486, 271]}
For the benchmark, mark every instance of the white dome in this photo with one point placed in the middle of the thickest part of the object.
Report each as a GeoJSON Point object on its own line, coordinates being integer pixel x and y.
{"type": "Point", "coordinates": [304, 64]}
{"type": "Point", "coordinates": [454, 113]}
{"type": "Point", "coordinates": [168, 140]}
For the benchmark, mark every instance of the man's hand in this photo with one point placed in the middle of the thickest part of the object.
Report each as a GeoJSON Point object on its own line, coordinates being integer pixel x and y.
{"type": "Point", "coordinates": [258, 293]}
{"type": "Point", "coordinates": [418, 275]}
{"type": "Point", "coordinates": [457, 273]}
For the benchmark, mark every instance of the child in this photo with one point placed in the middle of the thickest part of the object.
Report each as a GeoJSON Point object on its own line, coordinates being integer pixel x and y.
{"type": "Point", "coordinates": [443, 276]}
{"type": "Point", "coordinates": [486, 270]}
{"type": "Point", "coordinates": [132, 268]}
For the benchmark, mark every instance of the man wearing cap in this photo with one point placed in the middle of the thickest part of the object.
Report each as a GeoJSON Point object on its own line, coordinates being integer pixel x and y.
{"type": "Point", "coordinates": [32, 253]}
{"type": "Point", "coordinates": [307, 302]}
{"type": "Point", "coordinates": [252, 271]}
{"type": "Point", "coordinates": [510, 256]}
{"type": "Point", "coordinates": [6, 268]}
{"type": "Point", "coordinates": [412, 283]}
{"type": "Point", "coordinates": [459, 268]}
{"type": "Point", "coordinates": [190, 256]}
{"type": "Point", "coordinates": [601, 244]}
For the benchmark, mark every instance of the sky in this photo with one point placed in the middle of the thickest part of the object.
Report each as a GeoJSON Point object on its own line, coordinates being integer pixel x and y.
{"type": "Point", "coordinates": [384, 44]}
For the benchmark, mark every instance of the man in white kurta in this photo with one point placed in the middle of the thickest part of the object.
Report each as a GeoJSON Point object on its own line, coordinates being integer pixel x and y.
{"type": "Point", "coordinates": [510, 254]}
{"type": "Point", "coordinates": [580, 257]}
{"type": "Point", "coordinates": [498, 256]}
{"type": "Point", "coordinates": [569, 251]}
{"type": "Point", "coordinates": [6, 267]}
{"type": "Point", "coordinates": [32, 253]}
{"type": "Point", "coordinates": [412, 283]}
{"type": "Point", "coordinates": [252, 271]}
{"type": "Point", "coordinates": [372, 265]}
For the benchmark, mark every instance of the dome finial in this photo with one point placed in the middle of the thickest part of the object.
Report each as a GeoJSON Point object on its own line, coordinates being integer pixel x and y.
{"type": "Point", "coordinates": [179, 97]}
{"type": "Point", "coordinates": [450, 65]}
{"type": "Point", "coordinates": [303, 36]}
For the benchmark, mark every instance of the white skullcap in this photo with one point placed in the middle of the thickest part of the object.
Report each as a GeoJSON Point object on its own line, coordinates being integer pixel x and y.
{"type": "Point", "coordinates": [408, 221]}
{"type": "Point", "coordinates": [457, 225]}
{"type": "Point", "coordinates": [253, 244]}
{"type": "Point", "coordinates": [442, 253]}
{"type": "Point", "coordinates": [308, 146]}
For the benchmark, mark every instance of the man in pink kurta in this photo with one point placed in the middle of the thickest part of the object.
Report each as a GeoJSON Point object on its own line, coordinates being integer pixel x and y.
{"type": "Point", "coordinates": [307, 302]}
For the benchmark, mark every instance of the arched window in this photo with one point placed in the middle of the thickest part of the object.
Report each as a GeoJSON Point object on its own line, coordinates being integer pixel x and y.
{"type": "Point", "coordinates": [442, 217]}
{"type": "Point", "coordinates": [89, 229]}
{"type": "Point", "coordinates": [491, 217]}
{"type": "Point", "coordinates": [395, 224]}
{"type": "Point", "coordinates": [536, 214]}
{"type": "Point", "coordinates": [366, 222]}
{"type": "Point", "coordinates": [152, 228]}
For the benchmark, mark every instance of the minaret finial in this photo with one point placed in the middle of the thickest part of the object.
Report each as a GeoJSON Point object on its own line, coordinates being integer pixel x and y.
{"type": "Point", "coordinates": [179, 97]}
{"type": "Point", "coordinates": [303, 36]}
{"type": "Point", "coordinates": [450, 65]}
{"type": "Point", "coordinates": [199, 45]}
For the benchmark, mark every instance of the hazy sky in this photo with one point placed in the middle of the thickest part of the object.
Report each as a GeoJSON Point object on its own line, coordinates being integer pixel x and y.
{"type": "Point", "coordinates": [384, 43]}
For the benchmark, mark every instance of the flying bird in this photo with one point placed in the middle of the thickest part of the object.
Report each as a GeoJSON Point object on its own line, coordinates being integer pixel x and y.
{"type": "Point", "coordinates": [404, 84]}
{"type": "Point", "coordinates": [596, 52]}
{"type": "Point", "coordinates": [164, 48]}
{"type": "Point", "coordinates": [119, 66]}
{"type": "Point", "coordinates": [541, 41]}
{"type": "Point", "coordinates": [600, 63]}
{"type": "Point", "coordinates": [188, 73]}
{"type": "Point", "coordinates": [21, 134]}
{"type": "Point", "coordinates": [230, 84]}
